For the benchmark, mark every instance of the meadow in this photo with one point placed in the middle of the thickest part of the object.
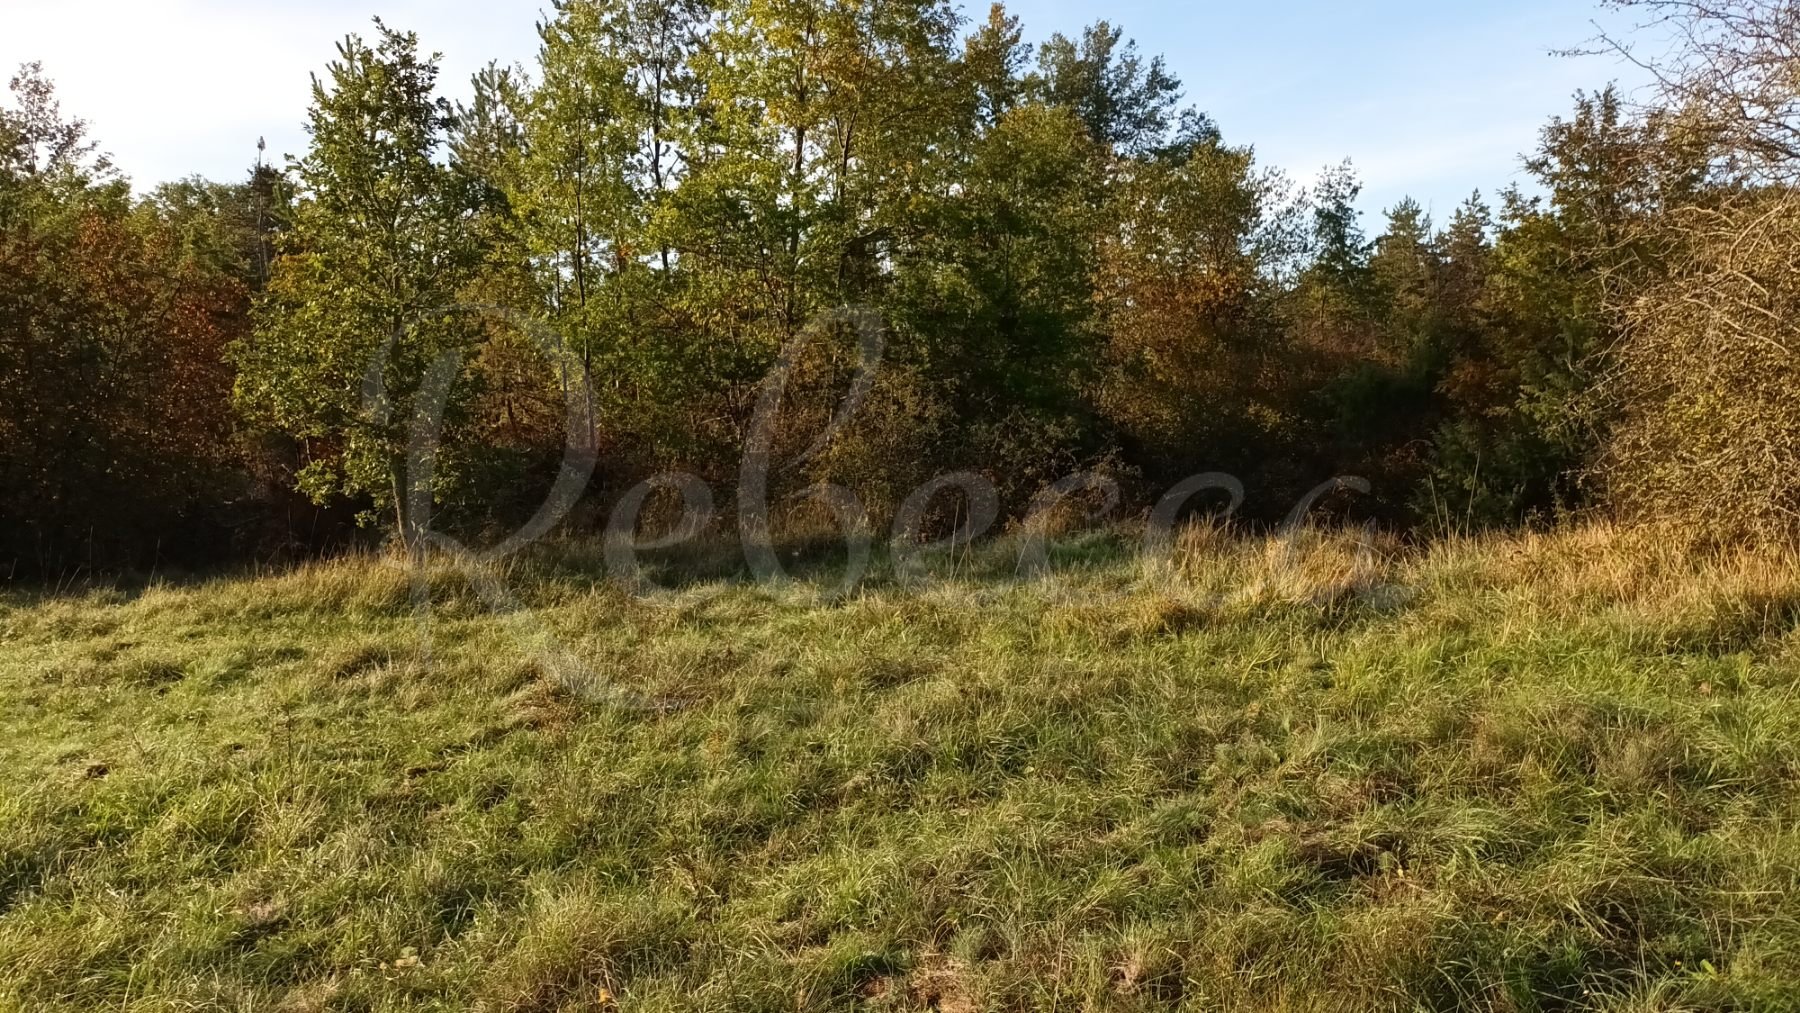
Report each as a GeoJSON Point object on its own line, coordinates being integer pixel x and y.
{"type": "Point", "coordinates": [1527, 772]}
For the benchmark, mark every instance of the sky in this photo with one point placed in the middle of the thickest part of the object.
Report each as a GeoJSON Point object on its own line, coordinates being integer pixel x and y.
{"type": "Point", "coordinates": [1427, 98]}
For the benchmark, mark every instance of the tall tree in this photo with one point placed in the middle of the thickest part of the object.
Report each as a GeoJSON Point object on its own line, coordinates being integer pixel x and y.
{"type": "Point", "coordinates": [365, 295]}
{"type": "Point", "coordinates": [994, 60]}
{"type": "Point", "coordinates": [1127, 102]}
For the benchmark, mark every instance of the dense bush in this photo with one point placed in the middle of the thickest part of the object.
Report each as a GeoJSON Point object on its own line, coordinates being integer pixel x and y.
{"type": "Point", "coordinates": [116, 437]}
{"type": "Point", "coordinates": [1708, 374]}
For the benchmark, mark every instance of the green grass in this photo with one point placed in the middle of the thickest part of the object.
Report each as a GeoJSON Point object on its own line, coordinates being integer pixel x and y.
{"type": "Point", "coordinates": [1557, 773]}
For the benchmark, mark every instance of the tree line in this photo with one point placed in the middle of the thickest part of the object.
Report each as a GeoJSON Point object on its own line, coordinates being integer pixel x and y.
{"type": "Point", "coordinates": [1071, 269]}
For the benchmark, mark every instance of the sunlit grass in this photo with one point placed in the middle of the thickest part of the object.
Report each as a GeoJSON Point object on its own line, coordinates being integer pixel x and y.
{"type": "Point", "coordinates": [1538, 773]}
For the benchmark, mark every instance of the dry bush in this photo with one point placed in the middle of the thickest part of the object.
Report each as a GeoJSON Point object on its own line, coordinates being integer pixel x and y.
{"type": "Point", "coordinates": [1709, 437]}
{"type": "Point", "coordinates": [1707, 434]}
{"type": "Point", "coordinates": [1734, 67]}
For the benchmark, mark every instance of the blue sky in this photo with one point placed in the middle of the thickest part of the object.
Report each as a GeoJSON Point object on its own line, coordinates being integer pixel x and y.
{"type": "Point", "coordinates": [1431, 99]}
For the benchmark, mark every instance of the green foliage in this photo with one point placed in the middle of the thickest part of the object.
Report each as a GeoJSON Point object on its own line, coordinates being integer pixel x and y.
{"type": "Point", "coordinates": [365, 296]}
{"type": "Point", "coordinates": [1524, 382]}
{"type": "Point", "coordinates": [38, 143]}
{"type": "Point", "coordinates": [1128, 103]}
{"type": "Point", "coordinates": [230, 228]}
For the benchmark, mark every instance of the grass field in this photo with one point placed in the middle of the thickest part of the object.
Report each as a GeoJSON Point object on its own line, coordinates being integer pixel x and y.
{"type": "Point", "coordinates": [1542, 773]}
